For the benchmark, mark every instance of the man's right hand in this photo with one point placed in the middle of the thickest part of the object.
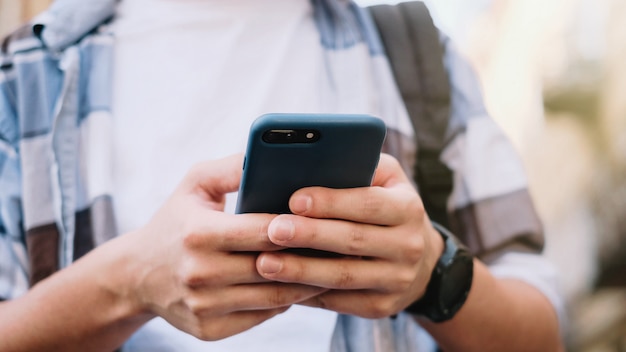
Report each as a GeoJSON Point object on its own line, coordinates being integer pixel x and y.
{"type": "Point", "coordinates": [194, 265]}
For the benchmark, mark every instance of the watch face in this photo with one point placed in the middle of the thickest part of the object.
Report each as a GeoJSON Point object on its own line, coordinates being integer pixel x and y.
{"type": "Point", "coordinates": [457, 279]}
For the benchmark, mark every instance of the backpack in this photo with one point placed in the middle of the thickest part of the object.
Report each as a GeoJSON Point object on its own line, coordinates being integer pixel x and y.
{"type": "Point", "coordinates": [415, 53]}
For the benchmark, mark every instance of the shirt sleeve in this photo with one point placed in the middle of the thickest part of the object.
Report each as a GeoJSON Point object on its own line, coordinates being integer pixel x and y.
{"type": "Point", "coordinates": [490, 207]}
{"type": "Point", "coordinates": [13, 259]}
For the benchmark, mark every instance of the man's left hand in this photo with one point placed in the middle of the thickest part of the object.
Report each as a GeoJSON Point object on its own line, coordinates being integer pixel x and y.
{"type": "Point", "coordinates": [387, 245]}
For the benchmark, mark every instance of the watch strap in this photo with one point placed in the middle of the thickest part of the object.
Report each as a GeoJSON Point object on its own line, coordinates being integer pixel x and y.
{"type": "Point", "coordinates": [437, 305]}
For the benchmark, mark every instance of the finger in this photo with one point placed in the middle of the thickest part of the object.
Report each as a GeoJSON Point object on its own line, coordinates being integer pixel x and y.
{"type": "Point", "coordinates": [372, 205]}
{"type": "Point", "coordinates": [217, 328]}
{"type": "Point", "coordinates": [389, 172]}
{"type": "Point", "coordinates": [241, 321]}
{"type": "Point", "coordinates": [345, 237]}
{"type": "Point", "coordinates": [200, 272]}
{"type": "Point", "coordinates": [390, 200]}
{"type": "Point", "coordinates": [230, 233]}
{"type": "Point", "coordinates": [363, 303]}
{"type": "Point", "coordinates": [216, 177]}
{"type": "Point", "coordinates": [211, 303]}
{"type": "Point", "coordinates": [335, 273]}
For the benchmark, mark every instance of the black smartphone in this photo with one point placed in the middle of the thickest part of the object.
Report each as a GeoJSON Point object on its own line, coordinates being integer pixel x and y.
{"type": "Point", "coordinates": [287, 152]}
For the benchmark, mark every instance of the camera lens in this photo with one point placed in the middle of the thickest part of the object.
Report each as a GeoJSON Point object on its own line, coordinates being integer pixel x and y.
{"type": "Point", "coordinates": [271, 136]}
{"type": "Point", "coordinates": [280, 136]}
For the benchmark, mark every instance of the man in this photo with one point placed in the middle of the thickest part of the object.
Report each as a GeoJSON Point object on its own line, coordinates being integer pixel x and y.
{"type": "Point", "coordinates": [103, 162]}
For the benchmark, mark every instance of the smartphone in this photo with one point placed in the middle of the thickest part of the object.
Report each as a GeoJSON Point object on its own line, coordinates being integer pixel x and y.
{"type": "Point", "coordinates": [287, 152]}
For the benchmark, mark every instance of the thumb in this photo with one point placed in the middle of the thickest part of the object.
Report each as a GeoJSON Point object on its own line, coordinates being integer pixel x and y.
{"type": "Point", "coordinates": [216, 177]}
{"type": "Point", "coordinates": [389, 172]}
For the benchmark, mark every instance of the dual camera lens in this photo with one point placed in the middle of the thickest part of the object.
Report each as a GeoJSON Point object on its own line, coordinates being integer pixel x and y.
{"type": "Point", "coordinates": [291, 136]}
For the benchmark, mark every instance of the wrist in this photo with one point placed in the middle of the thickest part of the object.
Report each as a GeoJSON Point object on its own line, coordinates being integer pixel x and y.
{"type": "Point", "coordinates": [438, 245]}
{"type": "Point", "coordinates": [118, 278]}
{"type": "Point", "coordinates": [91, 298]}
{"type": "Point", "coordinates": [450, 281]}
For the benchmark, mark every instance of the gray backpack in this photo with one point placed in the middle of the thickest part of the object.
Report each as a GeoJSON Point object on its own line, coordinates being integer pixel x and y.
{"type": "Point", "coordinates": [412, 44]}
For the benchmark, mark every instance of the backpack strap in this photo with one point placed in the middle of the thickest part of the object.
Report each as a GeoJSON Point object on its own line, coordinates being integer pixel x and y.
{"type": "Point", "coordinates": [413, 48]}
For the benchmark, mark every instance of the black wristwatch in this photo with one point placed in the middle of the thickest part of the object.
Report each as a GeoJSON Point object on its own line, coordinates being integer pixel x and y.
{"type": "Point", "coordinates": [449, 283]}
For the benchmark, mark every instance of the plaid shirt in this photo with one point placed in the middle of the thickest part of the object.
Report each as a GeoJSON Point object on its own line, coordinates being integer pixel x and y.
{"type": "Point", "coordinates": [55, 76]}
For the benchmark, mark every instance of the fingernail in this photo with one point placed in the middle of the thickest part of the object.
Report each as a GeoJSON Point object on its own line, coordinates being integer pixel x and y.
{"type": "Point", "coordinates": [281, 230]}
{"type": "Point", "coordinates": [270, 264]}
{"type": "Point", "coordinates": [300, 204]}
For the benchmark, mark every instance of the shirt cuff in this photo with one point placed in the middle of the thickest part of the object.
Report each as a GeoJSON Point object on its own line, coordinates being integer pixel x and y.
{"type": "Point", "coordinates": [537, 271]}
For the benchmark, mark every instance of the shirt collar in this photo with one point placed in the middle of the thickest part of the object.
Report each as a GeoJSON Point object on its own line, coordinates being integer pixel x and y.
{"type": "Point", "coordinates": [66, 21]}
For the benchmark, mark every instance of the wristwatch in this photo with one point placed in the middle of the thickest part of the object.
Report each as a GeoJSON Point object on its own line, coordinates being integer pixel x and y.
{"type": "Point", "coordinates": [449, 283]}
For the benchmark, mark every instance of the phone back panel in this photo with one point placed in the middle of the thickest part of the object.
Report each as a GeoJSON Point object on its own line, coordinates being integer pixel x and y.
{"type": "Point", "coordinates": [345, 156]}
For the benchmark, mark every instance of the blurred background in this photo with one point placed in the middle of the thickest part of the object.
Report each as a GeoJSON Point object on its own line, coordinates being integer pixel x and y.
{"type": "Point", "coordinates": [554, 78]}
{"type": "Point", "coordinates": [15, 12]}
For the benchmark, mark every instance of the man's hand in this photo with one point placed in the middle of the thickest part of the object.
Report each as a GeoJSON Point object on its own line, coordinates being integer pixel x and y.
{"type": "Point", "coordinates": [192, 264]}
{"type": "Point", "coordinates": [390, 247]}
{"type": "Point", "coordinates": [195, 265]}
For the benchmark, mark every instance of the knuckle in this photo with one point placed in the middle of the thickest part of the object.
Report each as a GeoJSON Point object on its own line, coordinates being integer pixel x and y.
{"type": "Point", "coordinates": [324, 202]}
{"type": "Point", "coordinates": [383, 308]}
{"type": "Point", "coordinates": [356, 239]}
{"type": "Point", "coordinates": [234, 234]}
{"type": "Point", "coordinates": [413, 250]}
{"type": "Point", "coordinates": [403, 279]}
{"type": "Point", "coordinates": [281, 296]}
{"type": "Point", "coordinates": [204, 336]}
{"type": "Point", "coordinates": [200, 308]}
{"type": "Point", "coordinates": [189, 275]}
{"type": "Point", "coordinates": [344, 279]}
{"type": "Point", "coordinates": [263, 228]}
{"type": "Point", "coordinates": [195, 274]}
{"type": "Point", "coordinates": [321, 302]}
{"type": "Point", "coordinates": [276, 297]}
{"type": "Point", "coordinates": [210, 332]}
{"type": "Point", "coordinates": [415, 207]}
{"type": "Point", "coordinates": [229, 236]}
{"type": "Point", "coordinates": [193, 281]}
{"type": "Point", "coordinates": [308, 228]}
{"type": "Point", "coordinates": [296, 271]}
{"type": "Point", "coordinates": [190, 230]}
{"type": "Point", "coordinates": [371, 203]}
{"type": "Point", "coordinates": [192, 240]}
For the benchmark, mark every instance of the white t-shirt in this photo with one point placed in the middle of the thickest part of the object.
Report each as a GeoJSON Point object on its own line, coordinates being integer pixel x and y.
{"type": "Point", "coordinates": [220, 64]}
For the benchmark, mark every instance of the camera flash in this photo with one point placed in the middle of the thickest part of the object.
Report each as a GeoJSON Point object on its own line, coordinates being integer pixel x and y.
{"type": "Point", "coordinates": [310, 135]}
